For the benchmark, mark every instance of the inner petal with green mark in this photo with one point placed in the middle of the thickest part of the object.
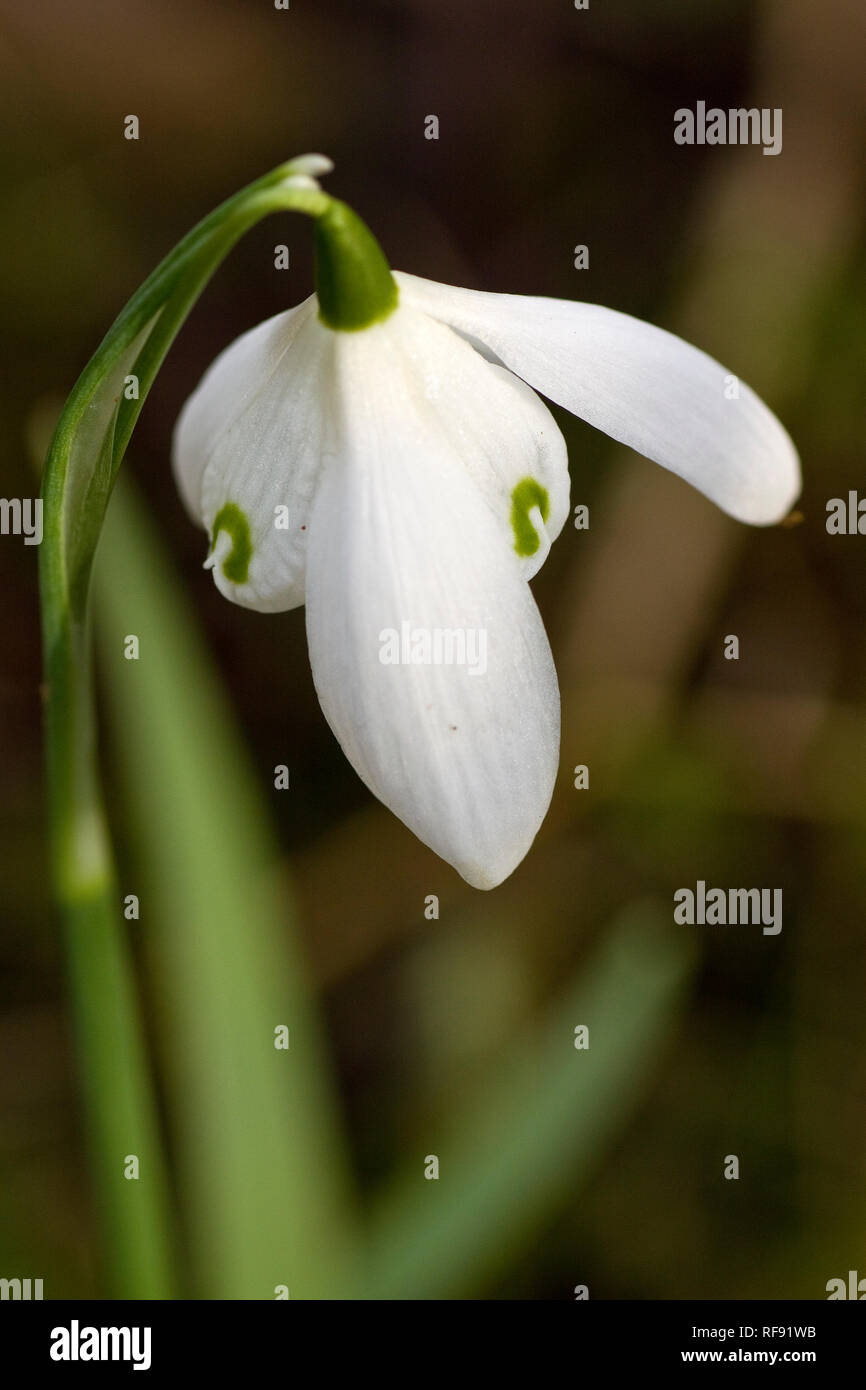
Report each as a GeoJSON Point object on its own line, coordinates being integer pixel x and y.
{"type": "Point", "coordinates": [525, 497]}
{"type": "Point", "coordinates": [236, 565]}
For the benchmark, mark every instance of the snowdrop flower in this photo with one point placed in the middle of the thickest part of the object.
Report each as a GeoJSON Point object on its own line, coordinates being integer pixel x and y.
{"type": "Point", "coordinates": [379, 454]}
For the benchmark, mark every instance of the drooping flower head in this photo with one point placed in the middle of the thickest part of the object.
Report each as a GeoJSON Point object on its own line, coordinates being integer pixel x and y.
{"type": "Point", "coordinates": [379, 454]}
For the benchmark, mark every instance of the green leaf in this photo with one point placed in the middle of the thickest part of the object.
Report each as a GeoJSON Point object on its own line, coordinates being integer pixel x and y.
{"type": "Point", "coordinates": [540, 1127]}
{"type": "Point", "coordinates": [264, 1177]}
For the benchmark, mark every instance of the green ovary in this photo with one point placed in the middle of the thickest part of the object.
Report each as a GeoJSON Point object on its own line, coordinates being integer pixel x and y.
{"type": "Point", "coordinates": [354, 284]}
{"type": "Point", "coordinates": [236, 565]}
{"type": "Point", "coordinates": [527, 494]}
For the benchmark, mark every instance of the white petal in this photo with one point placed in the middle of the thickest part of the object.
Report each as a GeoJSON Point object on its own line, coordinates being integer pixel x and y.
{"type": "Point", "coordinates": [640, 384]}
{"type": "Point", "coordinates": [465, 752]}
{"type": "Point", "coordinates": [252, 434]}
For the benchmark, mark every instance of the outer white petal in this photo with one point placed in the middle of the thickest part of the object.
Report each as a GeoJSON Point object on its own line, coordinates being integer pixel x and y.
{"type": "Point", "coordinates": [401, 534]}
{"type": "Point", "coordinates": [252, 434]}
{"type": "Point", "coordinates": [640, 384]}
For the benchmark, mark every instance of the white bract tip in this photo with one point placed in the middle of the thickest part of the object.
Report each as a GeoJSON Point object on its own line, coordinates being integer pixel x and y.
{"type": "Point", "coordinates": [313, 164]}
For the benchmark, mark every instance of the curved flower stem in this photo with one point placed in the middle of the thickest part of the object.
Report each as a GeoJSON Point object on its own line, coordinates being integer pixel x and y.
{"type": "Point", "coordinates": [85, 454]}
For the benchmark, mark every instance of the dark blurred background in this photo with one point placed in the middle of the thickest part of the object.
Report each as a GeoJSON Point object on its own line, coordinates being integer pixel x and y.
{"type": "Point", "coordinates": [556, 129]}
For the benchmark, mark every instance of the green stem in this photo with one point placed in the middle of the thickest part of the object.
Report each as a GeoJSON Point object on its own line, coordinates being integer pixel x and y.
{"type": "Point", "coordinates": [82, 463]}
{"type": "Point", "coordinates": [121, 1115]}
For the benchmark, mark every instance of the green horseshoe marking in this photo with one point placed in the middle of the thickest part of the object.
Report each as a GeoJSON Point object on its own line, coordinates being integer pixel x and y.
{"type": "Point", "coordinates": [236, 565]}
{"type": "Point", "coordinates": [527, 494]}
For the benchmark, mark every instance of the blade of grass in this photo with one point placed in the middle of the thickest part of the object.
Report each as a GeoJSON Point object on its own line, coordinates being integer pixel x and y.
{"type": "Point", "coordinates": [540, 1127]}
{"type": "Point", "coordinates": [263, 1172]}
